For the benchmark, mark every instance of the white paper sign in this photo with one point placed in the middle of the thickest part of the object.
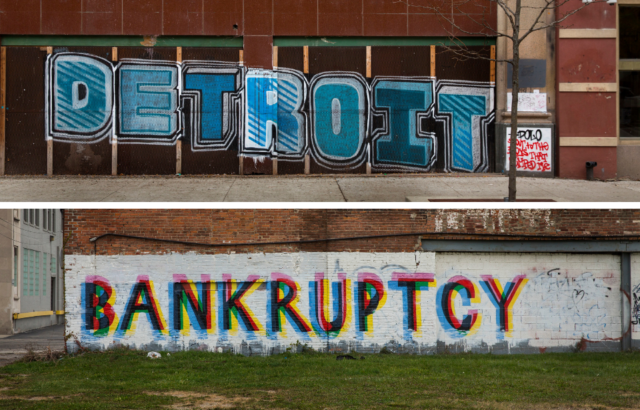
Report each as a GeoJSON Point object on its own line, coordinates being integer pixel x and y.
{"type": "Point", "coordinates": [534, 152]}
{"type": "Point", "coordinates": [532, 102]}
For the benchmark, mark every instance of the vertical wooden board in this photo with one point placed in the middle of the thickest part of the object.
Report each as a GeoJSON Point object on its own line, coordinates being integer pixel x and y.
{"type": "Point", "coordinates": [368, 61]}
{"type": "Point", "coordinates": [49, 142]}
{"type": "Point", "coordinates": [275, 57]}
{"type": "Point", "coordinates": [450, 66]}
{"type": "Point", "coordinates": [433, 60]}
{"type": "Point", "coordinates": [241, 57]}
{"type": "Point", "coordinates": [114, 158]}
{"type": "Point", "coordinates": [179, 142]}
{"type": "Point", "coordinates": [492, 69]}
{"type": "Point", "coordinates": [3, 90]}
{"type": "Point", "coordinates": [305, 52]}
{"type": "Point", "coordinates": [178, 157]}
{"type": "Point", "coordinates": [50, 157]}
{"type": "Point", "coordinates": [114, 144]}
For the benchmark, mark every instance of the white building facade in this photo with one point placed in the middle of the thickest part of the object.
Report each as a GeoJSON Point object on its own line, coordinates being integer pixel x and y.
{"type": "Point", "coordinates": [31, 284]}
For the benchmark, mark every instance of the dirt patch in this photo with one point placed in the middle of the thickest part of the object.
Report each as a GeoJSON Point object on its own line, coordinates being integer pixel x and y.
{"type": "Point", "coordinates": [35, 398]}
{"type": "Point", "coordinates": [548, 406]}
{"type": "Point", "coordinates": [194, 400]}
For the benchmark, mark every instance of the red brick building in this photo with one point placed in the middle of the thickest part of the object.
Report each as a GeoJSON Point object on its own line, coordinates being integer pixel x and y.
{"type": "Point", "coordinates": [258, 281]}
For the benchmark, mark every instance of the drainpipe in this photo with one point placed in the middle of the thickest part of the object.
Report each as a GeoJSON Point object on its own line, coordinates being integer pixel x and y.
{"type": "Point", "coordinates": [625, 290]}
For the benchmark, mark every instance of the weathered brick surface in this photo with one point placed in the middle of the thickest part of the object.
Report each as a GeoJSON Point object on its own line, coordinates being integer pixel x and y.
{"type": "Point", "coordinates": [249, 226]}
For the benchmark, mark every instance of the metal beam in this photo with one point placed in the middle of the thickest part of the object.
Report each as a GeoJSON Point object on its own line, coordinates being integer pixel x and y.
{"type": "Point", "coordinates": [550, 246]}
{"type": "Point", "coordinates": [625, 293]}
{"type": "Point", "coordinates": [380, 41]}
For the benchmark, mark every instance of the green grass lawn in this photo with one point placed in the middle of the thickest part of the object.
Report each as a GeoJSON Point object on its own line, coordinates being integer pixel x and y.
{"type": "Point", "coordinates": [125, 379]}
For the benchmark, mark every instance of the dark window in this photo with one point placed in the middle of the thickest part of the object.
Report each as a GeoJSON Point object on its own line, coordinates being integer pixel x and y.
{"type": "Point", "coordinates": [629, 32]}
{"type": "Point", "coordinates": [629, 103]}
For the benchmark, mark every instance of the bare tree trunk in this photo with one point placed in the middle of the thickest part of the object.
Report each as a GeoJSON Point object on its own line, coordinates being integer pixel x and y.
{"type": "Point", "coordinates": [515, 91]}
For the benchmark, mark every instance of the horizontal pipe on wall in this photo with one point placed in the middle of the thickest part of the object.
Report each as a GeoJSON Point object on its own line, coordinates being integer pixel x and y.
{"type": "Point", "coordinates": [32, 314]}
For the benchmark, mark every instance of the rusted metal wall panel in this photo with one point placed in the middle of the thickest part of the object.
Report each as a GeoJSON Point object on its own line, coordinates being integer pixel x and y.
{"type": "Point", "coordinates": [209, 162]}
{"type": "Point", "coordinates": [324, 59]}
{"type": "Point", "coordinates": [452, 64]}
{"type": "Point", "coordinates": [405, 66]}
{"type": "Point", "coordinates": [144, 159]}
{"type": "Point", "coordinates": [401, 61]}
{"type": "Point", "coordinates": [459, 64]}
{"type": "Point", "coordinates": [78, 158]}
{"type": "Point", "coordinates": [293, 58]}
{"type": "Point", "coordinates": [26, 148]}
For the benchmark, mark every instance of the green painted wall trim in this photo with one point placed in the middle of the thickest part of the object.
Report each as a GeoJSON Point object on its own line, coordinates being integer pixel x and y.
{"type": "Point", "coordinates": [379, 41]}
{"type": "Point", "coordinates": [201, 41]}
{"type": "Point", "coordinates": [120, 41]}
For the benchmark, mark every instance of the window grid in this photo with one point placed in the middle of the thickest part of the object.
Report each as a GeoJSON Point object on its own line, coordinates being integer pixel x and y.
{"type": "Point", "coordinates": [628, 74]}
{"type": "Point", "coordinates": [31, 273]}
{"type": "Point", "coordinates": [16, 259]}
{"type": "Point", "coordinates": [25, 272]}
{"type": "Point", "coordinates": [37, 218]}
{"type": "Point", "coordinates": [45, 276]}
{"type": "Point", "coordinates": [37, 276]}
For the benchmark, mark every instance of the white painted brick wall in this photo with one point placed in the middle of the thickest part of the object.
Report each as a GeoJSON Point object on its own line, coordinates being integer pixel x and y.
{"type": "Point", "coordinates": [567, 297]}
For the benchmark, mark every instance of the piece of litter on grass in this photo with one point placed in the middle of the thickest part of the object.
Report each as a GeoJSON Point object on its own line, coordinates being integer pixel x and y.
{"type": "Point", "coordinates": [154, 355]}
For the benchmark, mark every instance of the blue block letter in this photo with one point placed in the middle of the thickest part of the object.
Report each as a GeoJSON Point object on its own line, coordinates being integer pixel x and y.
{"type": "Point", "coordinates": [401, 145]}
{"type": "Point", "coordinates": [148, 100]}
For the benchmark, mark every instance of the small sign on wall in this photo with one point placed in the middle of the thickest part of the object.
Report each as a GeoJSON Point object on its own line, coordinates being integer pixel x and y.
{"type": "Point", "coordinates": [534, 149]}
{"type": "Point", "coordinates": [529, 102]}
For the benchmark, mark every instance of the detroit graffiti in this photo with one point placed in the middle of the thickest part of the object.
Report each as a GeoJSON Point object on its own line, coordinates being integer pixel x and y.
{"type": "Point", "coordinates": [340, 119]}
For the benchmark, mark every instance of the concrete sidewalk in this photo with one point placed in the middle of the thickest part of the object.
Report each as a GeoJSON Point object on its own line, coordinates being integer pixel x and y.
{"type": "Point", "coordinates": [315, 188]}
{"type": "Point", "coordinates": [14, 347]}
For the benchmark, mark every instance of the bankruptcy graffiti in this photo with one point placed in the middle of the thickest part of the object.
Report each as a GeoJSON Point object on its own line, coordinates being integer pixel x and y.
{"type": "Point", "coordinates": [533, 149]}
{"type": "Point", "coordinates": [275, 300]}
{"type": "Point", "coordinates": [338, 118]}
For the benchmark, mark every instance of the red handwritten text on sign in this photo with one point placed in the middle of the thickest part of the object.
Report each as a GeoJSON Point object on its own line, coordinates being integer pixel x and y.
{"type": "Point", "coordinates": [533, 149]}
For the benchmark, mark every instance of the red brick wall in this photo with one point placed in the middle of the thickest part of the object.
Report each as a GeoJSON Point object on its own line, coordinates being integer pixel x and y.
{"type": "Point", "coordinates": [217, 17]}
{"type": "Point", "coordinates": [587, 114]}
{"type": "Point", "coordinates": [239, 226]}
